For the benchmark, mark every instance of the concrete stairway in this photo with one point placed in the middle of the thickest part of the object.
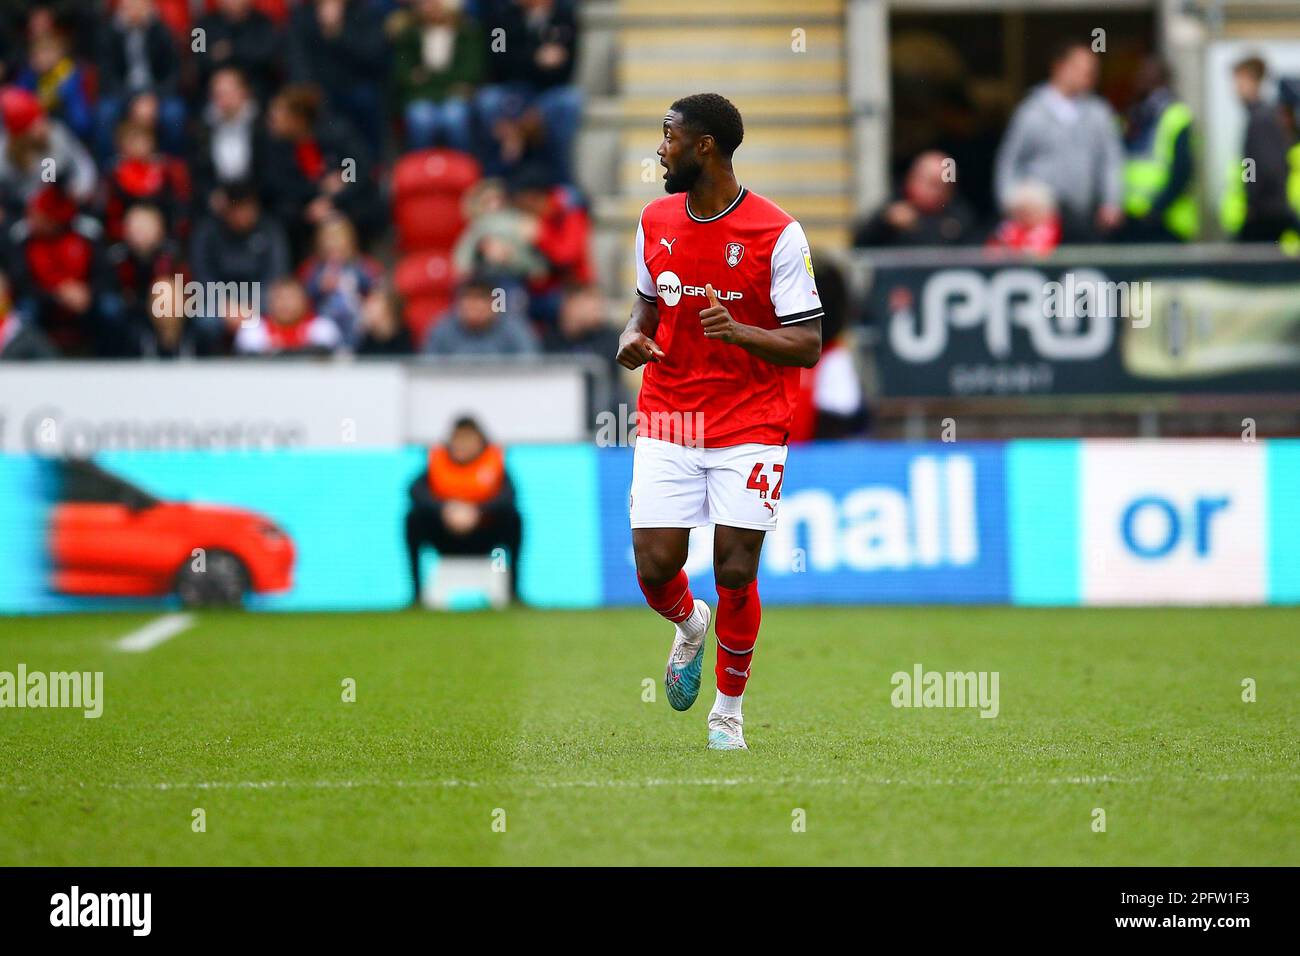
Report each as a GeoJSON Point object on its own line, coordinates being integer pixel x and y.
{"type": "Point", "coordinates": [640, 55]}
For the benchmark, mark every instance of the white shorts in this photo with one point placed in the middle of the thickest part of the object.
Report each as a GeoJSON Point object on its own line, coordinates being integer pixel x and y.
{"type": "Point", "coordinates": [678, 486]}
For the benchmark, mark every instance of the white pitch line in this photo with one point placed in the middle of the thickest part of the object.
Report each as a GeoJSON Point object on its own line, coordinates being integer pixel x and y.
{"type": "Point", "coordinates": [155, 632]}
{"type": "Point", "coordinates": [653, 782]}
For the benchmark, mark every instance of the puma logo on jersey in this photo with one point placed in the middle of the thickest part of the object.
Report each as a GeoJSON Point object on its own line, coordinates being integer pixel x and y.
{"type": "Point", "coordinates": [667, 245]}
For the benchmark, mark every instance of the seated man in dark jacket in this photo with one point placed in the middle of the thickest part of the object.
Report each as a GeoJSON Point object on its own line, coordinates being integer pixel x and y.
{"type": "Point", "coordinates": [239, 244]}
{"type": "Point", "coordinates": [929, 212]}
{"type": "Point", "coordinates": [464, 503]}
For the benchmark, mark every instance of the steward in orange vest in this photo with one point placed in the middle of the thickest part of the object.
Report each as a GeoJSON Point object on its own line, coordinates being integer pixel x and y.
{"type": "Point", "coordinates": [463, 503]}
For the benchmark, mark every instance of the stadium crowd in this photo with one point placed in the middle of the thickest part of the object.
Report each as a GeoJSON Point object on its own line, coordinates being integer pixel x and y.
{"type": "Point", "coordinates": [380, 176]}
{"type": "Point", "coordinates": [1069, 170]}
{"type": "Point", "coordinates": [394, 177]}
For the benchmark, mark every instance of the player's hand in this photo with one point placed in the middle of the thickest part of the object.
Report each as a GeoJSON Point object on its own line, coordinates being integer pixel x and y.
{"type": "Point", "coordinates": [637, 348]}
{"type": "Point", "coordinates": [717, 321]}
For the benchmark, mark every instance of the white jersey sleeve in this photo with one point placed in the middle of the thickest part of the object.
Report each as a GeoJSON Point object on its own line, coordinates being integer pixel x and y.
{"type": "Point", "coordinates": [645, 286]}
{"type": "Point", "coordinates": [794, 288]}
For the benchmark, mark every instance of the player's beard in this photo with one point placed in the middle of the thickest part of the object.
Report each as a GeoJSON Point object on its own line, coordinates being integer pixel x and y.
{"type": "Point", "coordinates": [684, 178]}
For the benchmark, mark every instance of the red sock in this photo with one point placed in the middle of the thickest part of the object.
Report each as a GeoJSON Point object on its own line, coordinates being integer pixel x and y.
{"type": "Point", "coordinates": [673, 600]}
{"type": "Point", "coordinates": [739, 612]}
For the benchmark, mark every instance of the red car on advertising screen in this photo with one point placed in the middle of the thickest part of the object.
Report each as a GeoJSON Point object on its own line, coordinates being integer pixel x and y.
{"type": "Point", "coordinates": [109, 538]}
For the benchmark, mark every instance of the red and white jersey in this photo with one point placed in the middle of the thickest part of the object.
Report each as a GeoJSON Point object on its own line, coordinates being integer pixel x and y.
{"type": "Point", "coordinates": [756, 257]}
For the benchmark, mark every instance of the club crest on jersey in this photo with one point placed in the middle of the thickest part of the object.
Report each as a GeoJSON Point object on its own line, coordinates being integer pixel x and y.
{"type": "Point", "coordinates": [735, 252]}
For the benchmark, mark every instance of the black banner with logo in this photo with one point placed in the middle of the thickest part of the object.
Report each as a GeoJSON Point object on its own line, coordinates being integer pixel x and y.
{"type": "Point", "coordinates": [332, 908]}
{"type": "Point", "coordinates": [1049, 327]}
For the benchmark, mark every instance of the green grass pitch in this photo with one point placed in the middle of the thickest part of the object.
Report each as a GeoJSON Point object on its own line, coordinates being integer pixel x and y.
{"type": "Point", "coordinates": [540, 715]}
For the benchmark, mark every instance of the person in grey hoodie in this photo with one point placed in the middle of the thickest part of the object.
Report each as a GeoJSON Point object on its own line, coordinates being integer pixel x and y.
{"type": "Point", "coordinates": [475, 327]}
{"type": "Point", "coordinates": [1066, 137]}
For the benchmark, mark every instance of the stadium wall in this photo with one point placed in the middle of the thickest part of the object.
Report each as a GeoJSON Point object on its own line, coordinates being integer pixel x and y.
{"type": "Point", "coordinates": [1020, 522]}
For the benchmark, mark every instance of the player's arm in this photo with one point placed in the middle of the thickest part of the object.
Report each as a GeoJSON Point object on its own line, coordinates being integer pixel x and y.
{"type": "Point", "coordinates": [797, 339]}
{"type": "Point", "coordinates": [636, 345]}
{"type": "Point", "coordinates": [797, 344]}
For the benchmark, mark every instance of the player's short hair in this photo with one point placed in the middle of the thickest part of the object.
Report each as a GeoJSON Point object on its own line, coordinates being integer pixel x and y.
{"type": "Point", "coordinates": [714, 115]}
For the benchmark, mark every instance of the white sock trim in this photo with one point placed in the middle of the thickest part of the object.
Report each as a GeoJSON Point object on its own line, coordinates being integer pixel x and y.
{"type": "Point", "coordinates": [730, 706]}
{"type": "Point", "coordinates": [694, 626]}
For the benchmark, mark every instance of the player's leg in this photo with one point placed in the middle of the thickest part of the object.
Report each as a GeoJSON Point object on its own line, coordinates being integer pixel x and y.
{"type": "Point", "coordinates": [744, 483]}
{"type": "Point", "coordinates": [668, 499]}
{"type": "Point", "coordinates": [736, 554]}
{"type": "Point", "coordinates": [660, 555]}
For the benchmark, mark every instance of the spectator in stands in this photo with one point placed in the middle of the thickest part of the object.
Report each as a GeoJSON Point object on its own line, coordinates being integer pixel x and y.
{"type": "Point", "coordinates": [928, 213]}
{"type": "Point", "coordinates": [19, 339]}
{"type": "Point", "coordinates": [338, 278]}
{"type": "Point", "coordinates": [239, 35]}
{"type": "Point", "coordinates": [317, 168]}
{"type": "Point", "coordinates": [237, 244]}
{"type": "Point", "coordinates": [463, 503]}
{"type": "Point", "coordinates": [531, 98]}
{"type": "Point", "coordinates": [1159, 191]}
{"type": "Point", "coordinates": [1288, 99]}
{"type": "Point", "coordinates": [475, 327]}
{"type": "Point", "coordinates": [138, 61]}
{"type": "Point", "coordinates": [56, 265]}
{"type": "Point", "coordinates": [438, 60]}
{"type": "Point", "coordinates": [144, 256]}
{"type": "Point", "coordinates": [382, 330]}
{"type": "Point", "coordinates": [53, 75]}
{"type": "Point", "coordinates": [584, 328]}
{"type": "Point", "coordinates": [168, 333]}
{"type": "Point", "coordinates": [230, 143]}
{"type": "Point", "coordinates": [32, 144]}
{"type": "Point", "coordinates": [339, 46]}
{"type": "Point", "coordinates": [1066, 137]}
{"type": "Point", "coordinates": [1032, 225]}
{"type": "Point", "coordinates": [142, 174]}
{"type": "Point", "coordinates": [562, 234]}
{"type": "Point", "coordinates": [1254, 205]}
{"type": "Point", "coordinates": [498, 240]}
{"type": "Point", "coordinates": [289, 325]}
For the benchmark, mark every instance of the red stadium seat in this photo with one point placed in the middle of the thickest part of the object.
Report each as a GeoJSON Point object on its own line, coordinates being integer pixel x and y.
{"type": "Point", "coordinates": [428, 222]}
{"type": "Point", "coordinates": [425, 281]}
{"type": "Point", "coordinates": [424, 274]}
{"type": "Point", "coordinates": [429, 171]}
